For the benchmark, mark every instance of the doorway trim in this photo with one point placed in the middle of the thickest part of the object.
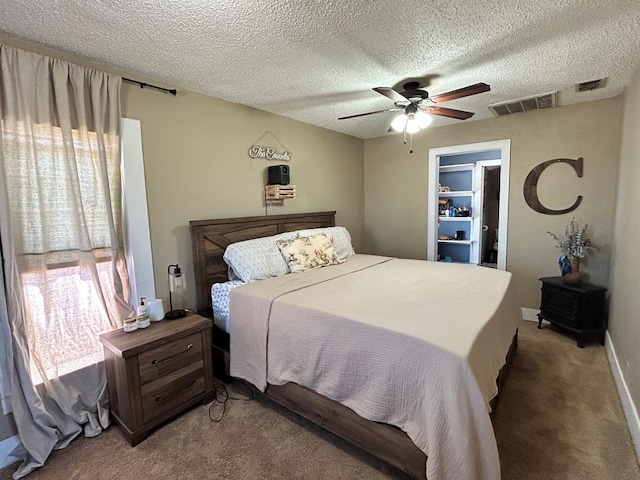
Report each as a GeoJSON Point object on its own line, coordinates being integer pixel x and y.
{"type": "Point", "coordinates": [432, 198]}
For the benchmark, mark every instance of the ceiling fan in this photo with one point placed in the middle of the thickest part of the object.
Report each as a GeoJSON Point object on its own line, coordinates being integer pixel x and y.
{"type": "Point", "coordinates": [416, 103]}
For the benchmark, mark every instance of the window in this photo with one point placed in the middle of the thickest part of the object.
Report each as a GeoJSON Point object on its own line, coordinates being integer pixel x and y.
{"type": "Point", "coordinates": [63, 220]}
{"type": "Point", "coordinates": [64, 320]}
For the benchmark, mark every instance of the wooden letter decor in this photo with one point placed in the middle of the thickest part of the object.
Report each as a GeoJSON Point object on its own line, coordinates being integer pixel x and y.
{"type": "Point", "coordinates": [531, 186]}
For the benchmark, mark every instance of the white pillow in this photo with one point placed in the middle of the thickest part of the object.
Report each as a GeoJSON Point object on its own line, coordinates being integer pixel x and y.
{"type": "Point", "coordinates": [257, 259]}
{"type": "Point", "coordinates": [341, 239]}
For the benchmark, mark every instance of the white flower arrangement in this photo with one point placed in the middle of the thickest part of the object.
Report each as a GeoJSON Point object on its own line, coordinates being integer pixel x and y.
{"type": "Point", "coordinates": [576, 242]}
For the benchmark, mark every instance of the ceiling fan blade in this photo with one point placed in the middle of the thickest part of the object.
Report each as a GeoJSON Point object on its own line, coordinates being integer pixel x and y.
{"type": "Point", "coordinates": [391, 94]}
{"type": "Point", "coordinates": [461, 92]}
{"type": "Point", "coordinates": [450, 112]}
{"type": "Point", "coordinates": [371, 113]}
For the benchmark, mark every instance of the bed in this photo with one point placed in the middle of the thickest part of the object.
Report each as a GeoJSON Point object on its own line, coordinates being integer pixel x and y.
{"type": "Point", "coordinates": [211, 238]}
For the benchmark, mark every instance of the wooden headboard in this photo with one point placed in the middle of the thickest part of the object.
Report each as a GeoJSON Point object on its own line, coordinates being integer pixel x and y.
{"type": "Point", "coordinates": [209, 238]}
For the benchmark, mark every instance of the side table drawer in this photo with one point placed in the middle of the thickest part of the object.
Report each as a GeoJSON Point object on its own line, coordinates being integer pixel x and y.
{"type": "Point", "coordinates": [170, 357]}
{"type": "Point", "coordinates": [172, 390]}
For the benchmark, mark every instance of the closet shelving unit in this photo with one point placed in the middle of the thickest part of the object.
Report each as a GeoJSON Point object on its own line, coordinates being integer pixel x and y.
{"type": "Point", "coordinates": [461, 179]}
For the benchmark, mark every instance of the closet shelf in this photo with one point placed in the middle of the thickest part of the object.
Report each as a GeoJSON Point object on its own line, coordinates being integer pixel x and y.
{"type": "Point", "coordinates": [458, 242]}
{"type": "Point", "coordinates": [461, 167]}
{"type": "Point", "coordinates": [454, 219]}
{"type": "Point", "coordinates": [459, 193]}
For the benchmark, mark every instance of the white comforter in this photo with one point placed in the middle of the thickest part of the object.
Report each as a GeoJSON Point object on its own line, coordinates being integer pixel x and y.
{"type": "Point", "coordinates": [410, 343]}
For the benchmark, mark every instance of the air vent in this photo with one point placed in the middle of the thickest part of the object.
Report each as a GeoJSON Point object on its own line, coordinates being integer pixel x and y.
{"type": "Point", "coordinates": [535, 102]}
{"type": "Point", "coordinates": [590, 85]}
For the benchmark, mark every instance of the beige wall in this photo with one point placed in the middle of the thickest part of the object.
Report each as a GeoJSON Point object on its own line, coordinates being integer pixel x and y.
{"type": "Point", "coordinates": [197, 167]}
{"type": "Point", "coordinates": [624, 321]}
{"type": "Point", "coordinates": [396, 187]}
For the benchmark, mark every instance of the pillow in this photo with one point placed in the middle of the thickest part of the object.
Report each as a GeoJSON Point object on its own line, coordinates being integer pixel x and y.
{"type": "Point", "coordinates": [306, 253]}
{"type": "Point", "coordinates": [257, 259]}
{"type": "Point", "coordinates": [341, 239]}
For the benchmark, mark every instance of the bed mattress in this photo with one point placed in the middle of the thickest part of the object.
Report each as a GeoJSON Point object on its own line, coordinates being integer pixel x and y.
{"type": "Point", "coordinates": [220, 302]}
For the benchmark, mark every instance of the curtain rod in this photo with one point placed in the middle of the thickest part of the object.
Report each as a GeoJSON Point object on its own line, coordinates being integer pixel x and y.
{"type": "Point", "coordinates": [173, 92]}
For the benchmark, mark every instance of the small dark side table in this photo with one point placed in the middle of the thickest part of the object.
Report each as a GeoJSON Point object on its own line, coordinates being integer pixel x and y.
{"type": "Point", "coordinates": [578, 309]}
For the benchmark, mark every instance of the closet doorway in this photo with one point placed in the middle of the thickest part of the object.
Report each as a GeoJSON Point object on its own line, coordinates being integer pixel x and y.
{"type": "Point", "coordinates": [467, 208]}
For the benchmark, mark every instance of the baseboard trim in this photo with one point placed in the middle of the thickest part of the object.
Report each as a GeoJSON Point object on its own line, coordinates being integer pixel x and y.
{"type": "Point", "coordinates": [630, 410]}
{"type": "Point", "coordinates": [6, 446]}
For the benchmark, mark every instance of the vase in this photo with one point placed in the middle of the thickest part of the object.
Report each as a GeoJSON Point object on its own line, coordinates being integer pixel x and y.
{"type": "Point", "coordinates": [573, 277]}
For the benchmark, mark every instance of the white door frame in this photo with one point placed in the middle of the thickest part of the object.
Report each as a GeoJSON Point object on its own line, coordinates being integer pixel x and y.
{"type": "Point", "coordinates": [432, 198]}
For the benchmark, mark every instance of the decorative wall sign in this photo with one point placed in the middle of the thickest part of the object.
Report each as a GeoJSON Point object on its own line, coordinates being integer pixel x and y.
{"type": "Point", "coordinates": [531, 186]}
{"type": "Point", "coordinates": [261, 149]}
{"type": "Point", "coordinates": [268, 153]}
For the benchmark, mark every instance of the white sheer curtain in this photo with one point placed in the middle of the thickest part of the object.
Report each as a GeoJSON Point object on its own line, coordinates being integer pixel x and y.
{"type": "Point", "coordinates": [64, 265]}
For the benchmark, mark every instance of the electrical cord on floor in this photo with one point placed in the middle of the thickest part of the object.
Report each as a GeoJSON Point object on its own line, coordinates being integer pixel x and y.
{"type": "Point", "coordinates": [222, 397]}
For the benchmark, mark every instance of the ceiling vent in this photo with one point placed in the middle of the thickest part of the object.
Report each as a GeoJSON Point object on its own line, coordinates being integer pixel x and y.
{"type": "Point", "coordinates": [590, 85]}
{"type": "Point", "coordinates": [536, 102]}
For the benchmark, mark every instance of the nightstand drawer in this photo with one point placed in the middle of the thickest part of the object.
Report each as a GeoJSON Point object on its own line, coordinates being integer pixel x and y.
{"type": "Point", "coordinates": [168, 358]}
{"type": "Point", "coordinates": [172, 390]}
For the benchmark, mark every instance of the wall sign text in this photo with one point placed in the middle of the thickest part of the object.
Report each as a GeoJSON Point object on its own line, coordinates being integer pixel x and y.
{"type": "Point", "coordinates": [268, 153]}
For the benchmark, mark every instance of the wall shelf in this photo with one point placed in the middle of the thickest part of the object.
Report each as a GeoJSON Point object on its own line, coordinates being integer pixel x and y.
{"type": "Point", "coordinates": [279, 192]}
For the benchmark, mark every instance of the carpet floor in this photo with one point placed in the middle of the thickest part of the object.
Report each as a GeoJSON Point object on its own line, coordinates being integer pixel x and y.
{"type": "Point", "coordinates": [559, 417]}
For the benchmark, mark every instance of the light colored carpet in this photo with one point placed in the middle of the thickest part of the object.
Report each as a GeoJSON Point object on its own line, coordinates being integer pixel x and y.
{"type": "Point", "coordinates": [559, 417]}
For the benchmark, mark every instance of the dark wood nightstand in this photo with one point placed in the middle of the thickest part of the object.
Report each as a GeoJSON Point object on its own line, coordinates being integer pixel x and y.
{"type": "Point", "coordinates": [155, 373]}
{"type": "Point", "coordinates": [578, 309]}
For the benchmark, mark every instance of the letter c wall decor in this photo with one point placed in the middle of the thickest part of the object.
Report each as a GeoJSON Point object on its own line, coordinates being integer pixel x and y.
{"type": "Point", "coordinates": [531, 186]}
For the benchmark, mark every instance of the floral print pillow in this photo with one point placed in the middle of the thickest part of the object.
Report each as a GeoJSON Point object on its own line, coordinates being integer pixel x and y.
{"type": "Point", "coordinates": [307, 253]}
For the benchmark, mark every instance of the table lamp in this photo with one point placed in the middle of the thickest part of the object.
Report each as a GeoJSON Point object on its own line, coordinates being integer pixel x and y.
{"type": "Point", "coordinates": [176, 283]}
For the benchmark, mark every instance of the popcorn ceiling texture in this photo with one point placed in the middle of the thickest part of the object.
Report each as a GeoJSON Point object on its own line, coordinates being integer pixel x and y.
{"type": "Point", "coordinates": [317, 61]}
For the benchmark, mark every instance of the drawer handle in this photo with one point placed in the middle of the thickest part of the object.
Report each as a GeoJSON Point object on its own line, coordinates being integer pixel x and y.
{"type": "Point", "coordinates": [162, 398]}
{"type": "Point", "coordinates": [156, 362]}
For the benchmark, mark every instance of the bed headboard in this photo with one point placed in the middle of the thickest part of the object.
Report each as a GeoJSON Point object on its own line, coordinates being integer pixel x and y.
{"type": "Point", "coordinates": [209, 238]}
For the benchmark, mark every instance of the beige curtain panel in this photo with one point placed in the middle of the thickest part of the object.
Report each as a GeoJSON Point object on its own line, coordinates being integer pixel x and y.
{"type": "Point", "coordinates": [63, 258]}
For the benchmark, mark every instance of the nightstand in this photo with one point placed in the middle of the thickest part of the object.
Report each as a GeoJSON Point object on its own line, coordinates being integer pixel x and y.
{"type": "Point", "coordinates": [153, 374]}
{"type": "Point", "coordinates": [578, 309]}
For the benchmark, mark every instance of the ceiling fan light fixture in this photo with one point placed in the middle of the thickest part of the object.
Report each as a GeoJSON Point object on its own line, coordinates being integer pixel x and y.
{"type": "Point", "coordinates": [413, 125]}
{"type": "Point", "coordinates": [423, 119]}
{"type": "Point", "coordinates": [399, 123]}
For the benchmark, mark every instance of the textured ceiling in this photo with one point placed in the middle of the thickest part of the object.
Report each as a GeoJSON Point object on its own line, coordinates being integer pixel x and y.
{"type": "Point", "coordinates": [315, 61]}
